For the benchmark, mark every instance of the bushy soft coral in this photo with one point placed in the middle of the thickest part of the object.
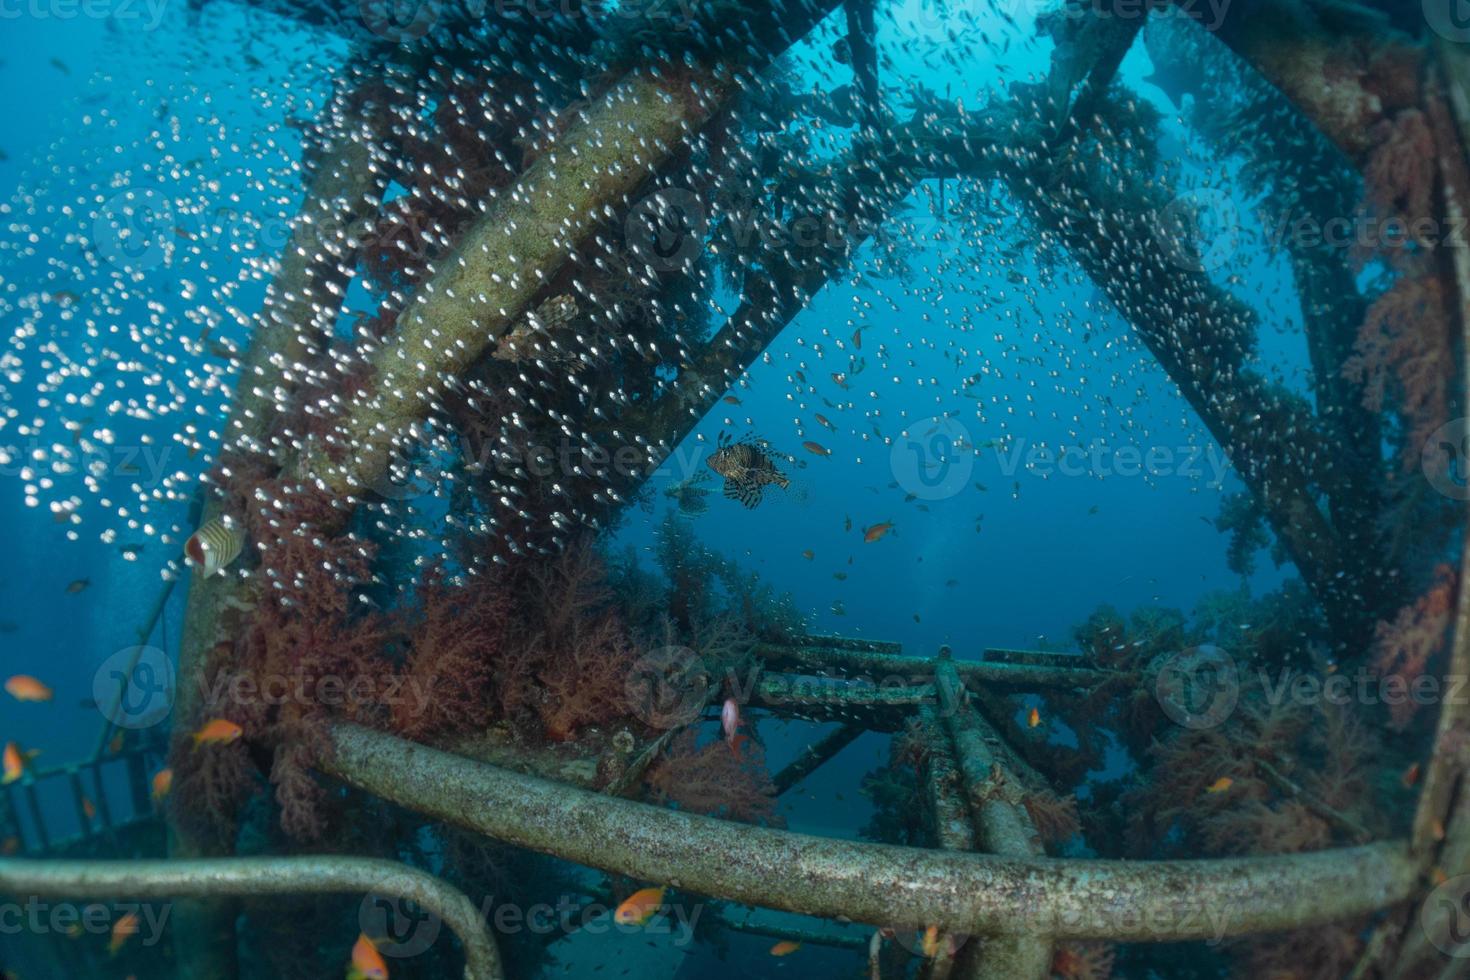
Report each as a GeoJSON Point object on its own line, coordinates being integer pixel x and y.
{"type": "Point", "coordinates": [1399, 174]}
{"type": "Point", "coordinates": [450, 669]}
{"type": "Point", "coordinates": [1403, 647]}
{"type": "Point", "coordinates": [714, 781]}
{"type": "Point", "coordinates": [1403, 350]}
{"type": "Point", "coordinates": [1082, 961]}
{"type": "Point", "coordinates": [1055, 817]}
{"type": "Point", "coordinates": [298, 653]}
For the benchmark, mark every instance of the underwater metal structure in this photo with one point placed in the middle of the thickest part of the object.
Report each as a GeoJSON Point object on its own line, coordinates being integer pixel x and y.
{"type": "Point", "coordinates": [988, 878]}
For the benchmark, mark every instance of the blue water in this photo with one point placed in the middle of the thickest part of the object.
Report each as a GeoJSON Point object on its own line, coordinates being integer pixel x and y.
{"type": "Point", "coordinates": [992, 545]}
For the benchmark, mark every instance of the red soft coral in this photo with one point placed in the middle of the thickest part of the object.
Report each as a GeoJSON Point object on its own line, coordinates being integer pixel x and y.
{"type": "Point", "coordinates": [1082, 961]}
{"type": "Point", "coordinates": [1399, 172]}
{"type": "Point", "coordinates": [1403, 349]}
{"type": "Point", "coordinates": [715, 781]}
{"type": "Point", "coordinates": [449, 675]}
{"type": "Point", "coordinates": [1404, 647]}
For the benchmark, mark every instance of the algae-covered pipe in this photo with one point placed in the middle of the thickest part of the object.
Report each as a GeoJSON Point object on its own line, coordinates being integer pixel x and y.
{"type": "Point", "coordinates": [889, 666]}
{"type": "Point", "coordinates": [477, 293]}
{"type": "Point", "coordinates": [1126, 901]}
{"type": "Point", "coordinates": [214, 877]}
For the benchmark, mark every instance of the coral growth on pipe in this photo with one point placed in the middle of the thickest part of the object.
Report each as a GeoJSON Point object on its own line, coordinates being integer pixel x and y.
{"type": "Point", "coordinates": [218, 877]}
{"type": "Point", "coordinates": [1148, 901]}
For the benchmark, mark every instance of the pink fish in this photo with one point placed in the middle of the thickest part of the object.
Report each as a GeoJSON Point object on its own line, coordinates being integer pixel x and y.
{"type": "Point", "coordinates": [730, 722]}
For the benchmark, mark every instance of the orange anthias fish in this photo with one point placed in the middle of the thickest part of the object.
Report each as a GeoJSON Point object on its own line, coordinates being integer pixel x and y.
{"type": "Point", "coordinates": [1410, 776]}
{"type": "Point", "coordinates": [217, 730]}
{"type": "Point", "coordinates": [122, 930]}
{"type": "Point", "coordinates": [89, 808]}
{"type": "Point", "coordinates": [876, 532]}
{"type": "Point", "coordinates": [367, 962]}
{"type": "Point", "coordinates": [15, 762]}
{"type": "Point", "coordinates": [24, 687]}
{"type": "Point", "coordinates": [1220, 785]}
{"type": "Point", "coordinates": [1033, 719]}
{"type": "Point", "coordinates": [163, 781]}
{"type": "Point", "coordinates": [639, 907]}
{"type": "Point", "coordinates": [816, 448]}
{"type": "Point", "coordinates": [785, 948]}
{"type": "Point", "coordinates": [930, 943]}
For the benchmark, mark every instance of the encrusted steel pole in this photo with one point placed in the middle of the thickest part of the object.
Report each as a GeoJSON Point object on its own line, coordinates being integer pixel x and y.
{"type": "Point", "coordinates": [1002, 825]}
{"type": "Point", "coordinates": [317, 875]}
{"type": "Point", "coordinates": [344, 191]}
{"type": "Point", "coordinates": [903, 887]}
{"type": "Point", "coordinates": [816, 755]}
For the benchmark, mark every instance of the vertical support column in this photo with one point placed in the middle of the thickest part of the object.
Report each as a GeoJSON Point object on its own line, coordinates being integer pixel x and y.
{"type": "Point", "coordinates": [139, 790]}
{"type": "Point", "coordinates": [1001, 827]}
{"type": "Point", "coordinates": [33, 803]}
{"type": "Point", "coordinates": [951, 828]}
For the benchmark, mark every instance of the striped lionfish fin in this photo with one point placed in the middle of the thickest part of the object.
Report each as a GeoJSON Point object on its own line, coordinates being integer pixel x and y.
{"type": "Point", "coordinates": [745, 491]}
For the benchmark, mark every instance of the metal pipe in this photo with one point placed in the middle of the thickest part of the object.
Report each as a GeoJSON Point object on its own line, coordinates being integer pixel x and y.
{"type": "Point", "coordinates": [887, 665]}
{"type": "Point", "coordinates": [815, 755]}
{"type": "Point", "coordinates": [214, 877]}
{"type": "Point", "coordinates": [1125, 901]}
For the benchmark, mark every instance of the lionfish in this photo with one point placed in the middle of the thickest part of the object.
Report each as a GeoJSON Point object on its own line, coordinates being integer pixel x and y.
{"type": "Point", "coordinates": [522, 342]}
{"type": "Point", "coordinates": [747, 468]}
{"type": "Point", "coordinates": [689, 494]}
